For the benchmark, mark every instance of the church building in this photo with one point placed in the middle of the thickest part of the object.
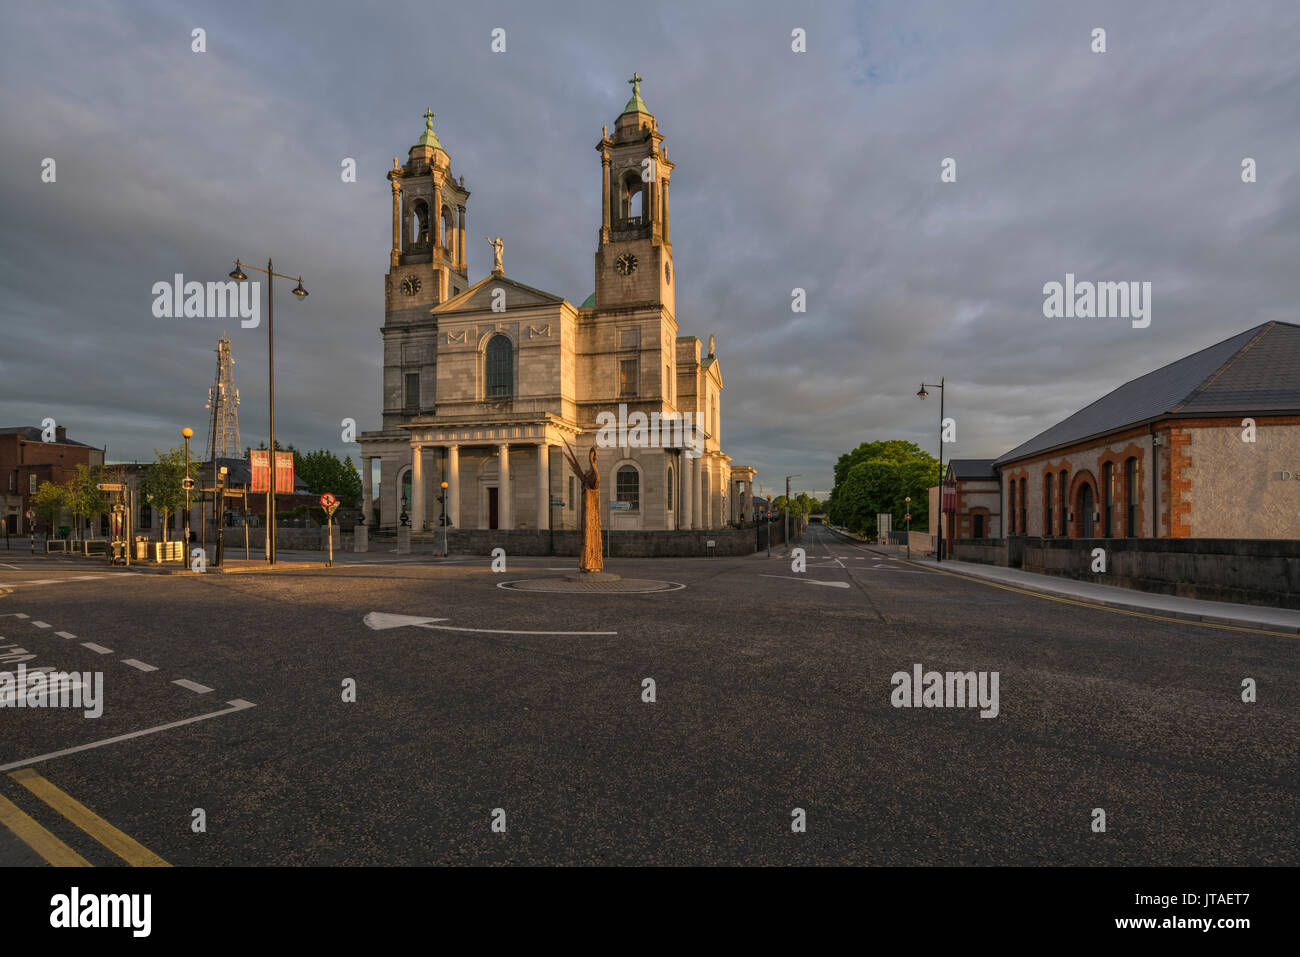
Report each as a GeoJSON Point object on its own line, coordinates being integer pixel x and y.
{"type": "Point", "coordinates": [483, 383]}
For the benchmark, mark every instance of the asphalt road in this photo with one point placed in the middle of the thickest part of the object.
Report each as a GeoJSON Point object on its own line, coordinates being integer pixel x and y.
{"type": "Point", "coordinates": [773, 692]}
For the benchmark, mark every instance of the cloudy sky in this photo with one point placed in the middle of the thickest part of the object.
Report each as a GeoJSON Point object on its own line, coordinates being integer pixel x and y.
{"type": "Point", "coordinates": [818, 170]}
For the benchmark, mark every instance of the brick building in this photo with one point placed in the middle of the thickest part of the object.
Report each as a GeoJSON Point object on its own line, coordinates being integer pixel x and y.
{"type": "Point", "coordinates": [27, 460]}
{"type": "Point", "coordinates": [1205, 447]}
{"type": "Point", "coordinates": [483, 383]}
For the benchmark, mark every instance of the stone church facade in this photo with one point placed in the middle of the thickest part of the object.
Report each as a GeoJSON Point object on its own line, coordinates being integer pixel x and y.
{"type": "Point", "coordinates": [484, 382]}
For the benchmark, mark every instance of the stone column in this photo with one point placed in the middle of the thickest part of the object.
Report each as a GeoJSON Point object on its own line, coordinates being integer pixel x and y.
{"type": "Point", "coordinates": [505, 516]}
{"type": "Point", "coordinates": [367, 493]}
{"type": "Point", "coordinates": [665, 189]}
{"type": "Point", "coordinates": [435, 234]}
{"type": "Point", "coordinates": [460, 236]}
{"type": "Point", "coordinates": [543, 486]}
{"type": "Point", "coordinates": [688, 483]}
{"type": "Point", "coordinates": [749, 499]}
{"type": "Point", "coordinates": [453, 485]}
{"type": "Point", "coordinates": [701, 513]}
{"type": "Point", "coordinates": [417, 488]}
{"type": "Point", "coordinates": [604, 186]}
{"type": "Point", "coordinates": [397, 221]}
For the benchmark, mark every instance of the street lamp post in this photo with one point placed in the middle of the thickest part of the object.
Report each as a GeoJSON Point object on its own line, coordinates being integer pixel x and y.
{"type": "Point", "coordinates": [443, 499]}
{"type": "Point", "coordinates": [188, 433]}
{"type": "Point", "coordinates": [922, 393]}
{"type": "Point", "coordinates": [787, 506]}
{"type": "Point", "coordinates": [907, 505]}
{"type": "Point", "coordinates": [237, 274]}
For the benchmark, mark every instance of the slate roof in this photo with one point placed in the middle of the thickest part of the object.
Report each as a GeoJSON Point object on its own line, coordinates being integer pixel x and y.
{"type": "Point", "coordinates": [33, 434]}
{"type": "Point", "coordinates": [1253, 373]}
{"type": "Point", "coordinates": [973, 469]}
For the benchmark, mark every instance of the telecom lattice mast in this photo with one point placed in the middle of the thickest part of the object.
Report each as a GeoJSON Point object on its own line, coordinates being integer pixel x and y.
{"type": "Point", "coordinates": [223, 400]}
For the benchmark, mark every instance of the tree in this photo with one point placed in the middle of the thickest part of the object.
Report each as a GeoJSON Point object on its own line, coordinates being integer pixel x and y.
{"type": "Point", "coordinates": [161, 486]}
{"type": "Point", "coordinates": [875, 478]}
{"type": "Point", "coordinates": [49, 502]}
{"type": "Point", "coordinates": [323, 472]}
{"type": "Point", "coordinates": [84, 497]}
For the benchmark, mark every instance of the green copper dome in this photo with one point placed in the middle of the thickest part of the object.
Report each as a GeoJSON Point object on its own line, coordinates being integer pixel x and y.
{"type": "Point", "coordinates": [636, 104]}
{"type": "Point", "coordinates": [429, 137]}
{"type": "Point", "coordinates": [588, 302]}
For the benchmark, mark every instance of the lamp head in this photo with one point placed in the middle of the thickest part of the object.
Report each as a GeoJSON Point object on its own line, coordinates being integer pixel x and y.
{"type": "Point", "coordinates": [299, 291]}
{"type": "Point", "coordinates": [921, 392]}
{"type": "Point", "coordinates": [237, 273]}
{"type": "Point", "coordinates": [187, 432]}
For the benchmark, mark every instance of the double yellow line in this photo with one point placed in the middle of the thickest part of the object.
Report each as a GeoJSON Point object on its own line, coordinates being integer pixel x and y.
{"type": "Point", "coordinates": [28, 830]}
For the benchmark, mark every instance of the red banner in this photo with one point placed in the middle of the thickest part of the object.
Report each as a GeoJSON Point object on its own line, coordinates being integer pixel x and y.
{"type": "Point", "coordinates": [950, 498]}
{"type": "Point", "coordinates": [260, 460]}
{"type": "Point", "coordinates": [283, 473]}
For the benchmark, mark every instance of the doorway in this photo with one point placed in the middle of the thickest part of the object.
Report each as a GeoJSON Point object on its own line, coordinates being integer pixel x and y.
{"type": "Point", "coordinates": [492, 507]}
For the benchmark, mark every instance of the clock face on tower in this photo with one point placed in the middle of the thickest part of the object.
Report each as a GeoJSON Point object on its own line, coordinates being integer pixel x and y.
{"type": "Point", "coordinates": [625, 264]}
{"type": "Point", "coordinates": [411, 285]}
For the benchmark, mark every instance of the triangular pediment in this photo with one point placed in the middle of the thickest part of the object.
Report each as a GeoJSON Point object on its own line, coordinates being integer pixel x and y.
{"type": "Point", "coordinates": [483, 295]}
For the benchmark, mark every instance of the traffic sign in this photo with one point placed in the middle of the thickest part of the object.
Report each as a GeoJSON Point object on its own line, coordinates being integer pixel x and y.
{"type": "Point", "coordinates": [331, 509]}
{"type": "Point", "coordinates": [111, 487]}
{"type": "Point", "coordinates": [327, 500]}
{"type": "Point", "coordinates": [29, 514]}
{"type": "Point", "coordinates": [187, 483]}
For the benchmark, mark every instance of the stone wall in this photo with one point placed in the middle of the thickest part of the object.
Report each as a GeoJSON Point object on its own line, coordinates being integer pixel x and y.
{"type": "Point", "coordinates": [1249, 571]}
{"type": "Point", "coordinates": [625, 544]}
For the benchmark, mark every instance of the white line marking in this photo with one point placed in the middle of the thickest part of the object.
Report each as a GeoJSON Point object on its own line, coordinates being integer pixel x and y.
{"type": "Point", "coordinates": [14, 567]}
{"type": "Point", "coordinates": [138, 665]}
{"type": "Point", "coordinates": [810, 581]}
{"type": "Point", "coordinates": [97, 649]}
{"type": "Point", "coordinates": [192, 685]}
{"type": "Point", "coordinates": [40, 624]}
{"type": "Point", "coordinates": [64, 634]}
{"type": "Point", "coordinates": [503, 631]}
{"type": "Point", "coordinates": [236, 705]}
{"type": "Point", "coordinates": [19, 614]}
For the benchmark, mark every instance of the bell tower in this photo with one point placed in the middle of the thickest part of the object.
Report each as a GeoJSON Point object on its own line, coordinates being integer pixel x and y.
{"type": "Point", "coordinates": [634, 256]}
{"type": "Point", "coordinates": [427, 261]}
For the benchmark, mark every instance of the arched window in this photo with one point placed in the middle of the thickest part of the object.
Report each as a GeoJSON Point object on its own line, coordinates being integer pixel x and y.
{"type": "Point", "coordinates": [1131, 496]}
{"type": "Point", "coordinates": [499, 368]}
{"type": "Point", "coordinates": [1108, 499]}
{"type": "Point", "coordinates": [670, 488]}
{"type": "Point", "coordinates": [420, 225]}
{"type": "Point", "coordinates": [1047, 504]}
{"type": "Point", "coordinates": [631, 200]}
{"type": "Point", "coordinates": [628, 487]}
{"type": "Point", "coordinates": [1024, 527]}
{"type": "Point", "coordinates": [1011, 508]}
{"type": "Point", "coordinates": [448, 229]}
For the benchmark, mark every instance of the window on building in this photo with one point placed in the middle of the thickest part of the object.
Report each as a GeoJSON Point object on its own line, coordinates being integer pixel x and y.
{"type": "Point", "coordinates": [627, 376]}
{"type": "Point", "coordinates": [146, 516]}
{"type": "Point", "coordinates": [1131, 496]}
{"type": "Point", "coordinates": [412, 390]}
{"type": "Point", "coordinates": [1048, 501]}
{"type": "Point", "coordinates": [13, 481]}
{"type": "Point", "coordinates": [628, 486]}
{"type": "Point", "coordinates": [1024, 527]}
{"type": "Point", "coordinates": [1011, 508]}
{"type": "Point", "coordinates": [31, 484]}
{"type": "Point", "coordinates": [500, 368]}
{"type": "Point", "coordinates": [978, 520]}
{"type": "Point", "coordinates": [1108, 499]}
{"type": "Point", "coordinates": [571, 493]}
{"type": "Point", "coordinates": [670, 488]}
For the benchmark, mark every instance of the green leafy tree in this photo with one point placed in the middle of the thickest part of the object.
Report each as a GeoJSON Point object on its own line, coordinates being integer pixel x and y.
{"type": "Point", "coordinates": [161, 486]}
{"type": "Point", "coordinates": [49, 502]}
{"type": "Point", "coordinates": [875, 478]}
{"type": "Point", "coordinates": [323, 472]}
{"type": "Point", "coordinates": [85, 500]}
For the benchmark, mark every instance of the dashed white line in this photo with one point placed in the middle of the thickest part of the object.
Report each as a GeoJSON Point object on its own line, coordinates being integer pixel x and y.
{"type": "Point", "coordinates": [64, 634]}
{"type": "Point", "coordinates": [40, 624]}
{"type": "Point", "coordinates": [192, 685]}
{"type": "Point", "coordinates": [19, 614]}
{"type": "Point", "coordinates": [97, 649]}
{"type": "Point", "coordinates": [138, 665]}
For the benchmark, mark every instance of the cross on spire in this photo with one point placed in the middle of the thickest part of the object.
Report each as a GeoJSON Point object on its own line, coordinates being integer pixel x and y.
{"type": "Point", "coordinates": [636, 82]}
{"type": "Point", "coordinates": [428, 119]}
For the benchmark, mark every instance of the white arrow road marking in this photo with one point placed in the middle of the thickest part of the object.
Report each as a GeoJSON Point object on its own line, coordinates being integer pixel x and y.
{"type": "Point", "coordinates": [238, 704]}
{"type": "Point", "coordinates": [810, 581]}
{"type": "Point", "coordinates": [380, 620]}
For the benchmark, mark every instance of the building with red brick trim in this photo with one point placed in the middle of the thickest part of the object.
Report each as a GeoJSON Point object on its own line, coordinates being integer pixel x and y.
{"type": "Point", "coordinates": [1205, 447]}
{"type": "Point", "coordinates": [27, 461]}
